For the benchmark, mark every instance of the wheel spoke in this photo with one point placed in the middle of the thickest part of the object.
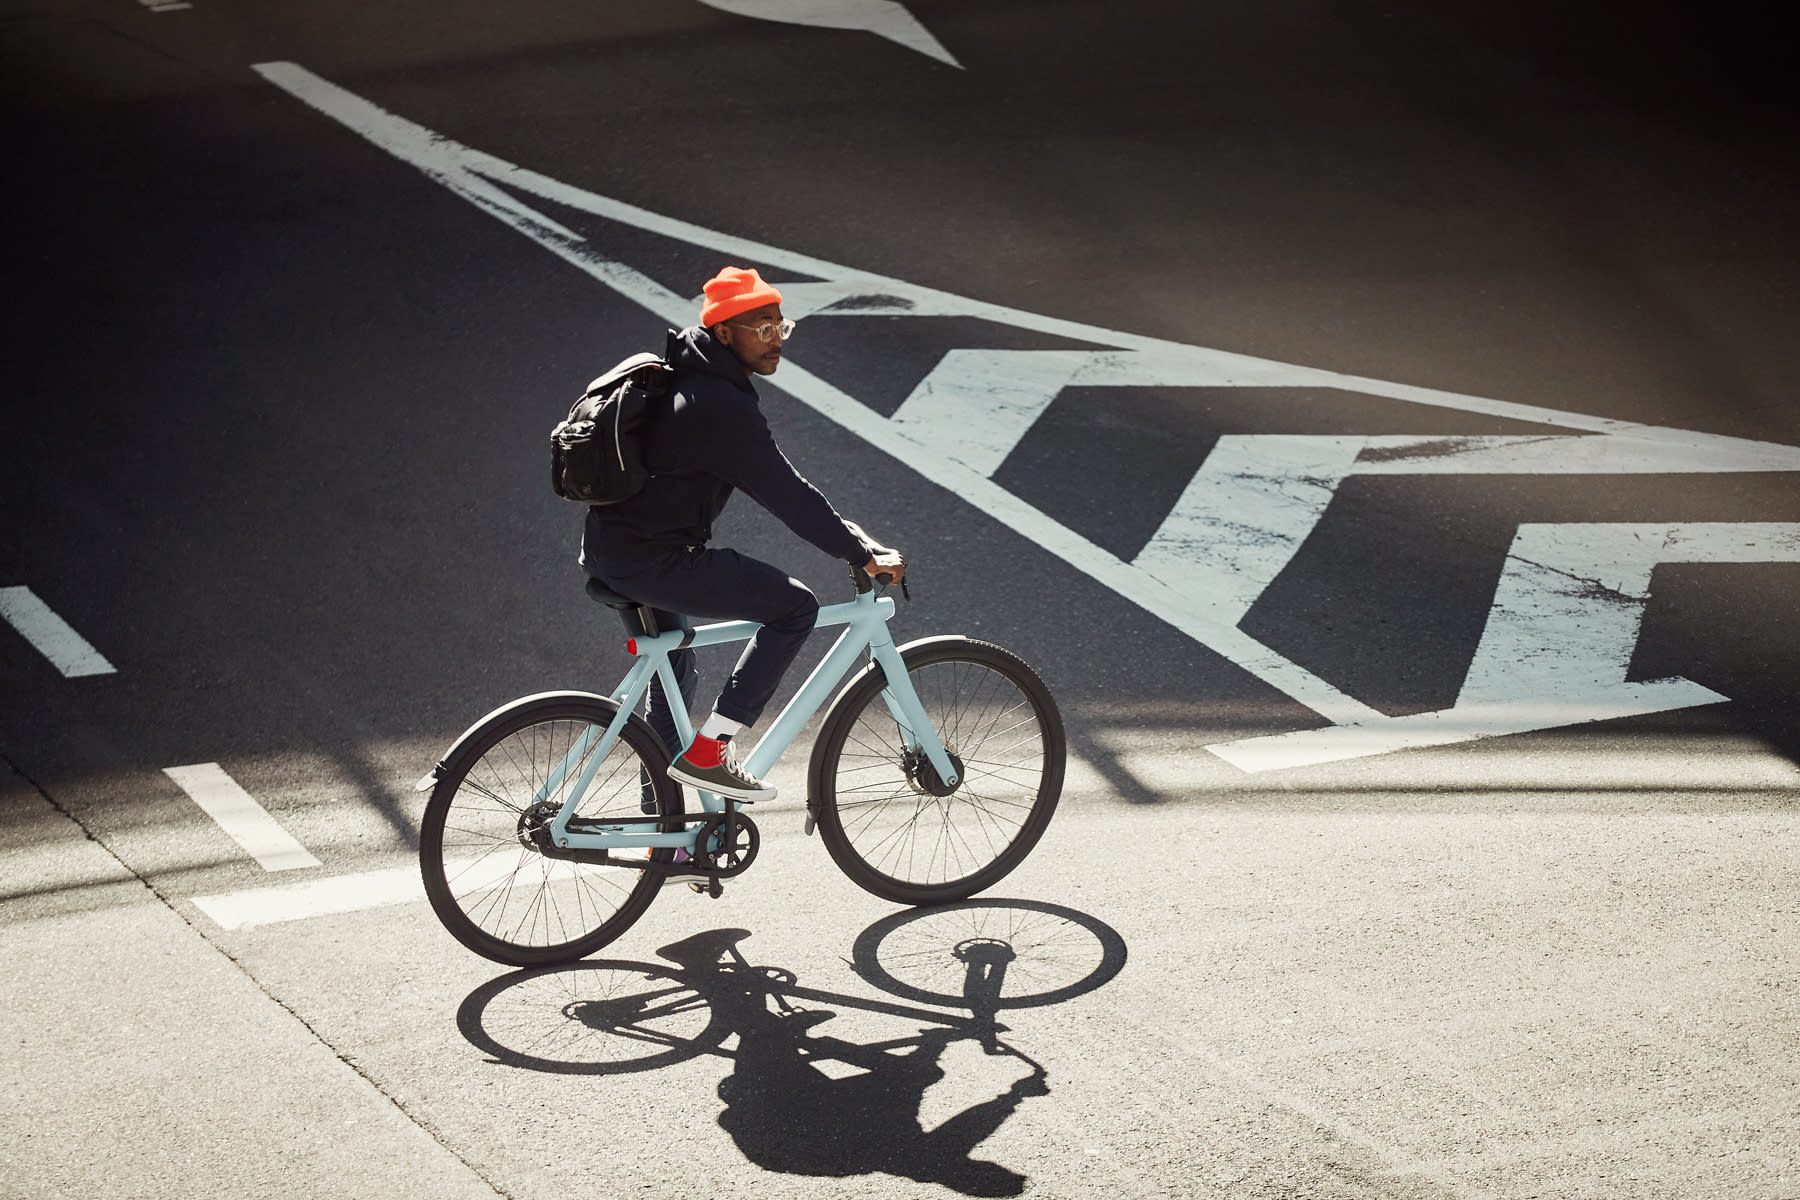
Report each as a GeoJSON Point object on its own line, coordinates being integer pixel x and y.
{"type": "Point", "coordinates": [1001, 731]}
{"type": "Point", "coordinates": [485, 869]}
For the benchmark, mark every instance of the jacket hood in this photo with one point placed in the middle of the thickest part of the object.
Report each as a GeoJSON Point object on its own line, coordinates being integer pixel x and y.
{"type": "Point", "coordinates": [695, 349]}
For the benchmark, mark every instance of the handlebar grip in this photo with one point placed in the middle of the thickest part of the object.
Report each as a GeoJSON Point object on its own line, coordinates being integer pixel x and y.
{"type": "Point", "coordinates": [863, 583]}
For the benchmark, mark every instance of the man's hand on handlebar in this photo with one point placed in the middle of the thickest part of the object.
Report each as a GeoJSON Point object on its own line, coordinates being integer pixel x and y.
{"type": "Point", "coordinates": [886, 562]}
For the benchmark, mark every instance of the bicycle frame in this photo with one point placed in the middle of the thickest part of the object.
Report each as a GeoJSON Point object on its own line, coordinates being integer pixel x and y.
{"type": "Point", "coordinates": [865, 620]}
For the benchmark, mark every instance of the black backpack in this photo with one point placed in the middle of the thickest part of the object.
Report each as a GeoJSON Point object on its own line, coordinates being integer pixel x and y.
{"type": "Point", "coordinates": [597, 454]}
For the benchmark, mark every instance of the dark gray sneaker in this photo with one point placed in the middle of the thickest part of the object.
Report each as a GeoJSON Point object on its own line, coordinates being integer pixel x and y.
{"type": "Point", "coordinates": [723, 778]}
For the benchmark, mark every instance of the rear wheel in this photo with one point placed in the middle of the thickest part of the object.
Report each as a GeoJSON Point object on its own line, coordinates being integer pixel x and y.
{"type": "Point", "coordinates": [484, 849]}
{"type": "Point", "coordinates": [890, 822]}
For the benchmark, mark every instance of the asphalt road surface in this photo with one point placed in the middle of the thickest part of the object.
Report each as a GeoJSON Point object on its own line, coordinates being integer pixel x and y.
{"type": "Point", "coordinates": [1375, 423]}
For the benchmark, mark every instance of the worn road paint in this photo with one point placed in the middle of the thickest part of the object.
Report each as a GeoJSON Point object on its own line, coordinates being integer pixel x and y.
{"type": "Point", "coordinates": [52, 636]}
{"type": "Point", "coordinates": [1189, 574]}
{"type": "Point", "coordinates": [1558, 642]}
{"type": "Point", "coordinates": [241, 817]}
{"type": "Point", "coordinates": [1245, 514]}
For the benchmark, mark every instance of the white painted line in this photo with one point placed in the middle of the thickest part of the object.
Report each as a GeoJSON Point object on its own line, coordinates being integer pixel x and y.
{"type": "Point", "coordinates": [313, 898]}
{"type": "Point", "coordinates": [391, 885]}
{"type": "Point", "coordinates": [1194, 615]}
{"type": "Point", "coordinates": [1558, 642]}
{"type": "Point", "coordinates": [846, 291]}
{"type": "Point", "coordinates": [50, 634]}
{"type": "Point", "coordinates": [888, 18]}
{"type": "Point", "coordinates": [1446, 727]}
{"type": "Point", "coordinates": [962, 421]}
{"type": "Point", "coordinates": [240, 816]}
{"type": "Point", "coordinates": [1644, 451]}
{"type": "Point", "coordinates": [456, 167]}
{"type": "Point", "coordinates": [976, 404]}
{"type": "Point", "coordinates": [1245, 514]}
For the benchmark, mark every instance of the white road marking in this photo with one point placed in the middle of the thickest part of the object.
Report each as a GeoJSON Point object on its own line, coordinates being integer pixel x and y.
{"type": "Point", "coordinates": [313, 898]}
{"type": "Point", "coordinates": [1557, 645]}
{"type": "Point", "coordinates": [960, 423]}
{"type": "Point", "coordinates": [1245, 514]}
{"type": "Point", "coordinates": [976, 404]}
{"type": "Point", "coordinates": [240, 816]}
{"type": "Point", "coordinates": [885, 17]}
{"type": "Point", "coordinates": [52, 636]}
{"type": "Point", "coordinates": [1645, 450]}
{"type": "Point", "coordinates": [1195, 616]}
{"type": "Point", "coordinates": [390, 885]}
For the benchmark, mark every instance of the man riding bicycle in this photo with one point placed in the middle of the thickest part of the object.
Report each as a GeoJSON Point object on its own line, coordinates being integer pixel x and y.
{"type": "Point", "coordinates": [709, 440]}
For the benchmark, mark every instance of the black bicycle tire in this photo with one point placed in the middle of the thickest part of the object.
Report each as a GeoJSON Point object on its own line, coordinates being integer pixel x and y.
{"type": "Point", "coordinates": [636, 735]}
{"type": "Point", "coordinates": [864, 691]}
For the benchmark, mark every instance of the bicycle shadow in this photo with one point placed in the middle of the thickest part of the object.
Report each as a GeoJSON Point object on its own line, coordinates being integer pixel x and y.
{"type": "Point", "coordinates": [797, 1099]}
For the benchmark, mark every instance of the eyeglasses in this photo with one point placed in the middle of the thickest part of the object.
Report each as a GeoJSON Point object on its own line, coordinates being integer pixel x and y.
{"type": "Point", "coordinates": [767, 330]}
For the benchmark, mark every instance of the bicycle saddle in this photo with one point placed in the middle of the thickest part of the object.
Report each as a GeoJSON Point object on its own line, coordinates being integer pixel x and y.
{"type": "Point", "coordinates": [642, 624]}
{"type": "Point", "coordinates": [602, 594]}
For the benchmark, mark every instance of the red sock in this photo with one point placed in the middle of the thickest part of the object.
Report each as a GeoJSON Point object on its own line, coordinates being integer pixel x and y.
{"type": "Point", "coordinates": [706, 752]}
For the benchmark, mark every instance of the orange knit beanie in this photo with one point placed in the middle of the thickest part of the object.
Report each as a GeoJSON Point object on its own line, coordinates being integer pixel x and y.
{"type": "Point", "coordinates": [735, 290]}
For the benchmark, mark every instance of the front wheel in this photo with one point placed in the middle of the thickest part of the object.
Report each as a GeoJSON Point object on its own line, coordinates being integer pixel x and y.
{"type": "Point", "coordinates": [890, 823]}
{"type": "Point", "coordinates": [491, 874]}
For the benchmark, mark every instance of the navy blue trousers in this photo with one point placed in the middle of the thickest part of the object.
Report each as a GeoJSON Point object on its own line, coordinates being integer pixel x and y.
{"type": "Point", "coordinates": [680, 584]}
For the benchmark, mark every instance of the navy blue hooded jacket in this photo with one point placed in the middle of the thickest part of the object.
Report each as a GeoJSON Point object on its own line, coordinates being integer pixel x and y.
{"type": "Point", "coordinates": [710, 440]}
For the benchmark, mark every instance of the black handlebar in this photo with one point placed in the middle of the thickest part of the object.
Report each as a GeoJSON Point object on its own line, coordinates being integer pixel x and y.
{"type": "Point", "coordinates": [861, 580]}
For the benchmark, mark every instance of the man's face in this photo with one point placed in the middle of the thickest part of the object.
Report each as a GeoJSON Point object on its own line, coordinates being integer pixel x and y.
{"type": "Point", "coordinates": [743, 336]}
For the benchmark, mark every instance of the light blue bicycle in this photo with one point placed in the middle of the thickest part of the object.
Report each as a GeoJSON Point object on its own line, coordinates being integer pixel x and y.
{"type": "Point", "coordinates": [552, 823]}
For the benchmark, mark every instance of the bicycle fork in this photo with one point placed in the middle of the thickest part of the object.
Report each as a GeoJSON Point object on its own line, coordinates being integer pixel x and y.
{"type": "Point", "coordinates": [903, 704]}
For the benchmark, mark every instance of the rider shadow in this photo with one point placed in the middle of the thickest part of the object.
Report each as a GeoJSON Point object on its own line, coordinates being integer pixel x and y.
{"type": "Point", "coordinates": [787, 1113]}
{"type": "Point", "coordinates": [799, 1100]}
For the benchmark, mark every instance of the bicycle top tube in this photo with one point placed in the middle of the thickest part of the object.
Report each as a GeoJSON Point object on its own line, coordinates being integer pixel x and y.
{"type": "Point", "coordinates": [867, 609]}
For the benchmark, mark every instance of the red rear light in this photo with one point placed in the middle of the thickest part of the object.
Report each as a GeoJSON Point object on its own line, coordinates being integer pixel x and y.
{"type": "Point", "coordinates": [631, 647]}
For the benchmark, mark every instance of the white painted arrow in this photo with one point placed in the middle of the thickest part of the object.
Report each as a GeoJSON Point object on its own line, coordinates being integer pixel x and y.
{"type": "Point", "coordinates": [885, 17]}
{"type": "Point", "coordinates": [1558, 642]}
